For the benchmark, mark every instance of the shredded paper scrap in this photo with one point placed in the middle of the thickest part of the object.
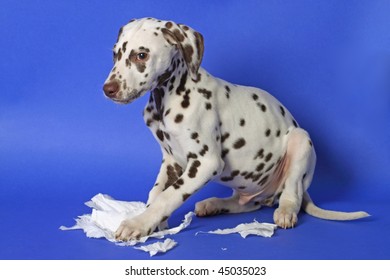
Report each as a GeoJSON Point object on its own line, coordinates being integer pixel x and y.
{"type": "Point", "coordinates": [108, 213]}
{"type": "Point", "coordinates": [254, 228]}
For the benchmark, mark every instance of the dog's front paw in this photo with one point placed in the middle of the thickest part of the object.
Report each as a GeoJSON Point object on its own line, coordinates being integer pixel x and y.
{"type": "Point", "coordinates": [285, 217]}
{"type": "Point", "coordinates": [132, 229]}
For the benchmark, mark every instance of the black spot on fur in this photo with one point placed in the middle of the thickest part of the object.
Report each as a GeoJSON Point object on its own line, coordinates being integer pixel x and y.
{"type": "Point", "coordinates": [179, 118]}
{"type": "Point", "coordinates": [239, 143]}
{"type": "Point", "coordinates": [160, 135]}
{"type": "Point", "coordinates": [225, 136]}
{"type": "Point", "coordinates": [260, 167]}
{"type": "Point", "coordinates": [227, 178]}
{"type": "Point", "coordinates": [181, 88]}
{"type": "Point", "coordinates": [262, 106]}
{"type": "Point", "coordinates": [242, 122]}
{"type": "Point", "coordinates": [191, 155]}
{"type": "Point", "coordinates": [268, 132]}
{"type": "Point", "coordinates": [206, 93]}
{"type": "Point", "coordinates": [224, 152]}
{"type": "Point", "coordinates": [260, 154]}
{"type": "Point", "coordinates": [282, 111]}
{"type": "Point", "coordinates": [124, 46]}
{"type": "Point", "coordinates": [186, 99]}
{"type": "Point", "coordinates": [268, 157]}
{"type": "Point", "coordinates": [167, 136]}
{"type": "Point", "coordinates": [194, 169]}
{"type": "Point", "coordinates": [172, 176]}
{"type": "Point", "coordinates": [204, 150]}
{"type": "Point", "coordinates": [186, 196]}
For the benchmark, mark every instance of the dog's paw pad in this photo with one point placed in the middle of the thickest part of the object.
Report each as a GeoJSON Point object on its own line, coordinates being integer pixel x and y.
{"type": "Point", "coordinates": [285, 218]}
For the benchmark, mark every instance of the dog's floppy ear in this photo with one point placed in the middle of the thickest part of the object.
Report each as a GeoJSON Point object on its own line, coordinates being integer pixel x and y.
{"type": "Point", "coordinates": [189, 43]}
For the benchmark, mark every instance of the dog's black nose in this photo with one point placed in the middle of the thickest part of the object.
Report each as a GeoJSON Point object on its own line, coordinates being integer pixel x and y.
{"type": "Point", "coordinates": [111, 88]}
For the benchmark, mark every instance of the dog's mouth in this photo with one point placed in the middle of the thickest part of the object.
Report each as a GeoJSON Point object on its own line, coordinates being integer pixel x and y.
{"type": "Point", "coordinates": [124, 99]}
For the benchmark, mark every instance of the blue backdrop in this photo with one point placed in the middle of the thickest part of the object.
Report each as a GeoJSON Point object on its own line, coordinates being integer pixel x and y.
{"type": "Point", "coordinates": [62, 142]}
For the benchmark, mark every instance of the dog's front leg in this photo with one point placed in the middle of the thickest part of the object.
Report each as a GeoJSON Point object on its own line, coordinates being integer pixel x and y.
{"type": "Point", "coordinates": [169, 172]}
{"type": "Point", "coordinates": [197, 173]}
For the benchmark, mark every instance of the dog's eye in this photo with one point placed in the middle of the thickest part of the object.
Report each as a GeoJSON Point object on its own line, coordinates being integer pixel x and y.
{"type": "Point", "coordinates": [142, 56]}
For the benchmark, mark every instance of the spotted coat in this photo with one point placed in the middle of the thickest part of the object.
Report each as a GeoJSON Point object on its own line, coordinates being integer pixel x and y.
{"type": "Point", "coordinates": [208, 129]}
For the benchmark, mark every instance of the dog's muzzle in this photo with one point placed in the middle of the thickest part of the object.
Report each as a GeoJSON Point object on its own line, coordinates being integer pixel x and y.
{"type": "Point", "coordinates": [111, 89]}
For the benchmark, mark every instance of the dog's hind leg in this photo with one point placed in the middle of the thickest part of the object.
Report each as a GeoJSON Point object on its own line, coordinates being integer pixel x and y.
{"type": "Point", "coordinates": [298, 174]}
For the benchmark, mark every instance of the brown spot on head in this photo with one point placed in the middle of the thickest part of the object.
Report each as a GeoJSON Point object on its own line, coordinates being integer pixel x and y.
{"type": "Point", "coordinates": [124, 46]}
{"type": "Point", "coordinates": [169, 25]}
{"type": "Point", "coordinates": [188, 52]}
{"type": "Point", "coordinates": [119, 54]}
{"type": "Point", "coordinates": [178, 35]}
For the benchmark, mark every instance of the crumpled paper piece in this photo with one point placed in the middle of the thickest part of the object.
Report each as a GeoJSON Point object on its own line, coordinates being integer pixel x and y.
{"type": "Point", "coordinates": [108, 213]}
{"type": "Point", "coordinates": [254, 228]}
{"type": "Point", "coordinates": [158, 247]}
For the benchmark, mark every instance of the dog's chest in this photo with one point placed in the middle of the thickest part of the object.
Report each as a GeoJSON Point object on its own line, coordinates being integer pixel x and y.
{"type": "Point", "coordinates": [164, 123]}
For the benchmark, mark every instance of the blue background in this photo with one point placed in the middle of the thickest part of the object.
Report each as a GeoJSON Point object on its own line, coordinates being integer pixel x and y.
{"type": "Point", "coordinates": [62, 142]}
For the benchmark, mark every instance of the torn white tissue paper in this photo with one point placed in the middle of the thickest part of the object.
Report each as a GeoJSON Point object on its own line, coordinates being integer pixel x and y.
{"type": "Point", "coordinates": [158, 247]}
{"type": "Point", "coordinates": [254, 228]}
{"type": "Point", "coordinates": [108, 213]}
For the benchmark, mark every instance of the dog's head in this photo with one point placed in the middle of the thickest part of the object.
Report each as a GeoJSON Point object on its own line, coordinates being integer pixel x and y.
{"type": "Point", "coordinates": [144, 51]}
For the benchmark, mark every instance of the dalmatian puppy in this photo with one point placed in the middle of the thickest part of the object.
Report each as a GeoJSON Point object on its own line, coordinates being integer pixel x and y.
{"type": "Point", "coordinates": [210, 129]}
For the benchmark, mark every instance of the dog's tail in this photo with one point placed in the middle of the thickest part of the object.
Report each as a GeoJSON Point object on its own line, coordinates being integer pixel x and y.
{"type": "Point", "coordinates": [310, 208]}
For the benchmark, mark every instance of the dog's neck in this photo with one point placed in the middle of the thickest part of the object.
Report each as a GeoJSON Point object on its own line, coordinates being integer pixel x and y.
{"type": "Point", "coordinates": [172, 82]}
